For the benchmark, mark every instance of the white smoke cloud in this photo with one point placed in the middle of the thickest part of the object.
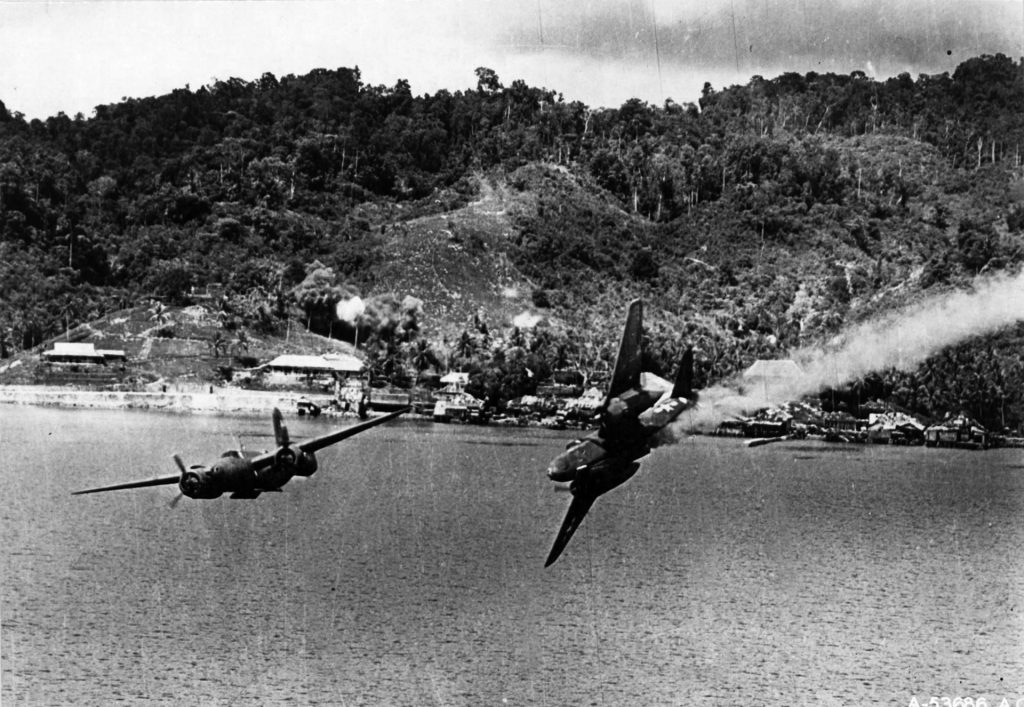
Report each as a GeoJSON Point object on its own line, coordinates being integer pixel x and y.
{"type": "Point", "coordinates": [349, 310]}
{"type": "Point", "coordinates": [905, 339]}
{"type": "Point", "coordinates": [526, 320]}
{"type": "Point", "coordinates": [901, 341]}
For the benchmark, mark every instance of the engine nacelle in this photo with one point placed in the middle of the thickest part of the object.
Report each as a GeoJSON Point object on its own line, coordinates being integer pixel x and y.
{"type": "Point", "coordinates": [295, 462]}
{"type": "Point", "coordinates": [286, 458]}
{"type": "Point", "coordinates": [306, 464]}
{"type": "Point", "coordinates": [197, 483]}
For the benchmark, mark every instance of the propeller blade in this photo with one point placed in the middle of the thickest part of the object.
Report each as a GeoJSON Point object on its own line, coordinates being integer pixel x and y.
{"type": "Point", "coordinates": [280, 431]}
{"type": "Point", "coordinates": [181, 464]}
{"type": "Point", "coordinates": [174, 501]}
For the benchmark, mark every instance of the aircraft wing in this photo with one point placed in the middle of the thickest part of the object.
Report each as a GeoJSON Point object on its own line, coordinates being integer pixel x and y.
{"type": "Point", "coordinates": [312, 445]}
{"type": "Point", "coordinates": [573, 517]}
{"type": "Point", "coordinates": [317, 443]}
{"type": "Point", "coordinates": [626, 374]}
{"type": "Point", "coordinates": [157, 481]}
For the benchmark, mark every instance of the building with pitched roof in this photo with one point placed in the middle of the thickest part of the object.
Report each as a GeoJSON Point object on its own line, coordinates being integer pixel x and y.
{"type": "Point", "coordinates": [82, 353]}
{"type": "Point", "coordinates": [310, 371]}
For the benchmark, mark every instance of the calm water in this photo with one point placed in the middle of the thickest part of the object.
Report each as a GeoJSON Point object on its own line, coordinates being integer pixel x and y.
{"type": "Point", "coordinates": [409, 571]}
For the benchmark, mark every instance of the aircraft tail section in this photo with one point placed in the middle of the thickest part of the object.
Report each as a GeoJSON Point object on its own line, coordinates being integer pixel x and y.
{"type": "Point", "coordinates": [627, 364]}
{"type": "Point", "coordinates": [683, 387]}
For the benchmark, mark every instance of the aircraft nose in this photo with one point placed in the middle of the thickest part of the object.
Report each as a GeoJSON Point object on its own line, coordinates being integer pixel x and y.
{"type": "Point", "coordinates": [561, 470]}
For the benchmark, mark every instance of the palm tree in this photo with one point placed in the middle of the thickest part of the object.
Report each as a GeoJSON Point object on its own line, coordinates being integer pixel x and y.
{"type": "Point", "coordinates": [69, 311]}
{"type": "Point", "coordinates": [241, 342]}
{"type": "Point", "coordinates": [6, 339]}
{"type": "Point", "coordinates": [465, 347]}
{"type": "Point", "coordinates": [159, 313]}
{"type": "Point", "coordinates": [422, 357]}
{"type": "Point", "coordinates": [218, 344]}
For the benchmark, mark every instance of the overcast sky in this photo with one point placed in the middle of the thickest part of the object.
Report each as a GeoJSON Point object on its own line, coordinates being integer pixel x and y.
{"type": "Point", "coordinates": [73, 56]}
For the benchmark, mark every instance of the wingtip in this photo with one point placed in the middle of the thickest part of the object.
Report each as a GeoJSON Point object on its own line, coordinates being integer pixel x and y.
{"type": "Point", "coordinates": [553, 556]}
{"type": "Point", "coordinates": [574, 515]}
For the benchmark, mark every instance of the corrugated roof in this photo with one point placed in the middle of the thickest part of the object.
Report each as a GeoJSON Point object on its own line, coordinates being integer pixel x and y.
{"type": "Point", "coordinates": [82, 350]}
{"type": "Point", "coordinates": [342, 363]}
{"type": "Point", "coordinates": [64, 348]}
{"type": "Point", "coordinates": [455, 377]}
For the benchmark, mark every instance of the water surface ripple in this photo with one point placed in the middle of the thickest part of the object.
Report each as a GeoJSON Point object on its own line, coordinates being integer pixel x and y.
{"type": "Point", "coordinates": [409, 571]}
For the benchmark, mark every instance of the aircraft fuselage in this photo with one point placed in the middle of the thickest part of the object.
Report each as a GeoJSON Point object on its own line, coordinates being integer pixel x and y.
{"type": "Point", "coordinates": [633, 413]}
{"type": "Point", "coordinates": [620, 430]}
{"type": "Point", "coordinates": [236, 475]}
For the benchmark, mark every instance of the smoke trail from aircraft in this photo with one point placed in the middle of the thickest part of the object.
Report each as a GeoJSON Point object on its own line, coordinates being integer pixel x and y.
{"type": "Point", "coordinates": [901, 341]}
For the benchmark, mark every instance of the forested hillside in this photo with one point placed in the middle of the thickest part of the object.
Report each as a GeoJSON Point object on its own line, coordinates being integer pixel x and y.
{"type": "Point", "coordinates": [766, 217]}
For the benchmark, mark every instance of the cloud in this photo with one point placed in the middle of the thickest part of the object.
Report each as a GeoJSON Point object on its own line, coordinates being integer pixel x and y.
{"type": "Point", "coordinates": [72, 57]}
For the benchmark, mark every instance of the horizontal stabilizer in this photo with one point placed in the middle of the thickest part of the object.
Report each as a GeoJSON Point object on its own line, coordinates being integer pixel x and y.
{"type": "Point", "coordinates": [660, 415]}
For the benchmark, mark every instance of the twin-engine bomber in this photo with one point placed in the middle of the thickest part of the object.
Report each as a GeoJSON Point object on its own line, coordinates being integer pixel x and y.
{"type": "Point", "coordinates": [631, 416]}
{"type": "Point", "coordinates": [247, 474]}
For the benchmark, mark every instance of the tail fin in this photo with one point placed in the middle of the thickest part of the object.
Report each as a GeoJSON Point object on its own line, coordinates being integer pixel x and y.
{"type": "Point", "coordinates": [627, 364]}
{"type": "Point", "coordinates": [683, 387]}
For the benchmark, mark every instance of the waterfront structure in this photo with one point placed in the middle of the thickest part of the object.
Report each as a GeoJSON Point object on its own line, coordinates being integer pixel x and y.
{"type": "Point", "coordinates": [64, 352]}
{"type": "Point", "coordinates": [455, 382]}
{"type": "Point", "coordinates": [326, 371]}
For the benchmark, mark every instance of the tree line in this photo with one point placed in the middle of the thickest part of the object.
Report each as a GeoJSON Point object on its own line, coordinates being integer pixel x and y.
{"type": "Point", "coordinates": [763, 216]}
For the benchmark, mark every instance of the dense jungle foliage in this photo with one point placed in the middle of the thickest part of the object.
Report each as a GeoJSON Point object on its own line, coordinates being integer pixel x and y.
{"type": "Point", "coordinates": [766, 217]}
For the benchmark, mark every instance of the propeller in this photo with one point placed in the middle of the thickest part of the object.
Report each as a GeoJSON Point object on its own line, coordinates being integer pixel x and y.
{"type": "Point", "coordinates": [280, 430]}
{"type": "Point", "coordinates": [284, 456]}
{"type": "Point", "coordinates": [190, 478]}
{"type": "Point", "coordinates": [184, 470]}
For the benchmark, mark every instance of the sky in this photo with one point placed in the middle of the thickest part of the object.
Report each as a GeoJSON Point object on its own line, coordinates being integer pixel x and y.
{"type": "Point", "coordinates": [72, 56]}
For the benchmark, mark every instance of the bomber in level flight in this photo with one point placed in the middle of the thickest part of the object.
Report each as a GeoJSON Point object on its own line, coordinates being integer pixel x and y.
{"type": "Point", "coordinates": [246, 474]}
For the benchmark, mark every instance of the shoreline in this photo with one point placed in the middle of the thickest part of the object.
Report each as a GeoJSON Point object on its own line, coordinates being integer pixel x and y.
{"type": "Point", "coordinates": [222, 401]}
